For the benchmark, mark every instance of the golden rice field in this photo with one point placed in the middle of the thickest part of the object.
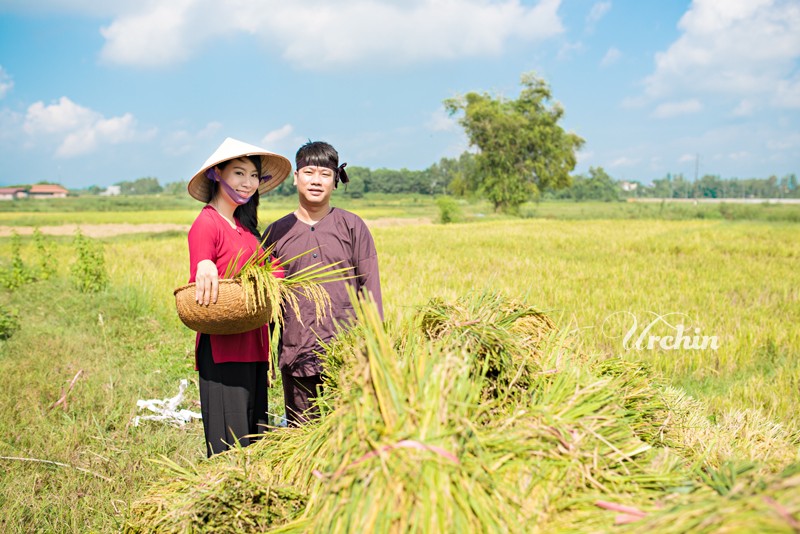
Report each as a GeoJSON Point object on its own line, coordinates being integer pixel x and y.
{"type": "Point", "coordinates": [735, 281]}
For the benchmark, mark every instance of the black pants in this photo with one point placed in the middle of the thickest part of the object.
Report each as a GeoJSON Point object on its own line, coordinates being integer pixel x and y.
{"type": "Point", "coordinates": [233, 400]}
{"type": "Point", "coordinates": [298, 395]}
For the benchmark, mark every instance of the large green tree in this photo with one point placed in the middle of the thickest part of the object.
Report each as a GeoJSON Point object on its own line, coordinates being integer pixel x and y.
{"type": "Point", "coordinates": [522, 148]}
{"type": "Point", "coordinates": [141, 186]}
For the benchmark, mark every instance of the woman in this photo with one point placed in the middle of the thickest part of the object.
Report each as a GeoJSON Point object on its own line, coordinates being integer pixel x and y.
{"type": "Point", "coordinates": [233, 369]}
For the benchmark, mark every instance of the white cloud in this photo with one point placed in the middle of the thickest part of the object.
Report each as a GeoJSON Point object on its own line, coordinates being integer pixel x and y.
{"type": "Point", "coordinates": [180, 142]}
{"type": "Point", "coordinates": [63, 116]}
{"type": "Point", "coordinates": [611, 57]}
{"type": "Point", "coordinates": [597, 12]}
{"type": "Point", "coordinates": [744, 108]}
{"type": "Point", "coordinates": [687, 158]}
{"type": "Point", "coordinates": [277, 135]}
{"type": "Point", "coordinates": [672, 109]}
{"type": "Point", "coordinates": [10, 124]}
{"type": "Point", "coordinates": [351, 31]}
{"type": "Point", "coordinates": [79, 130]}
{"type": "Point", "coordinates": [283, 140]}
{"type": "Point", "coordinates": [738, 48]}
{"type": "Point", "coordinates": [623, 162]}
{"type": "Point", "coordinates": [441, 121]}
{"type": "Point", "coordinates": [6, 83]}
{"type": "Point", "coordinates": [568, 49]}
{"type": "Point", "coordinates": [785, 142]}
{"type": "Point", "coordinates": [82, 7]}
{"type": "Point", "coordinates": [160, 35]}
{"type": "Point", "coordinates": [210, 129]}
{"type": "Point", "coordinates": [738, 156]}
{"type": "Point", "coordinates": [787, 94]}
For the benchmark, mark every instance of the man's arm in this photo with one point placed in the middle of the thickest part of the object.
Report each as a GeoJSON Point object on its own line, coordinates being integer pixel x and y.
{"type": "Point", "coordinates": [368, 275]}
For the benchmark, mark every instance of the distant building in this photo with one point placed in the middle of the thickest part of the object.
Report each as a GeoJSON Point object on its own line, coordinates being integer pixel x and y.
{"type": "Point", "coordinates": [629, 186]}
{"type": "Point", "coordinates": [11, 193]}
{"type": "Point", "coordinates": [47, 191]}
{"type": "Point", "coordinates": [111, 191]}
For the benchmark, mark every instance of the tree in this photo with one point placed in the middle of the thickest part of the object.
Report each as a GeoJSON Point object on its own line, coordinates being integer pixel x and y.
{"type": "Point", "coordinates": [522, 149]}
{"type": "Point", "coordinates": [141, 186]}
{"type": "Point", "coordinates": [175, 188]}
{"type": "Point", "coordinates": [598, 186]}
{"type": "Point", "coordinates": [456, 176]}
{"type": "Point", "coordinates": [709, 186]}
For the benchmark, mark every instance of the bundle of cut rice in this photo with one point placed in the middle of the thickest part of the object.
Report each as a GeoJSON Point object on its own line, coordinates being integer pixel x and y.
{"type": "Point", "coordinates": [477, 415]}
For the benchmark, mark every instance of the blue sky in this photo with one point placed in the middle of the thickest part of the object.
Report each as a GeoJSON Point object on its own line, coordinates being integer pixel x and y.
{"type": "Point", "coordinates": [100, 92]}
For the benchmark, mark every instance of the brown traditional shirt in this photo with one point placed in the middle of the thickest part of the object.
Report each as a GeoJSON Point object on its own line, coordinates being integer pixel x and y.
{"type": "Point", "coordinates": [342, 237]}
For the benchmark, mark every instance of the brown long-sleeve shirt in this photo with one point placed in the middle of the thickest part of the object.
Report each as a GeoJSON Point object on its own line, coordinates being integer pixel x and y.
{"type": "Point", "coordinates": [340, 236]}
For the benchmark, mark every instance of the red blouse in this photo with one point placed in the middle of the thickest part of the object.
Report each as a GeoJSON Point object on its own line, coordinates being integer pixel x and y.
{"type": "Point", "coordinates": [212, 238]}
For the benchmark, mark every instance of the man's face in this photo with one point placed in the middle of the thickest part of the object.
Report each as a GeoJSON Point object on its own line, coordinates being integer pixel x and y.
{"type": "Point", "coordinates": [314, 184]}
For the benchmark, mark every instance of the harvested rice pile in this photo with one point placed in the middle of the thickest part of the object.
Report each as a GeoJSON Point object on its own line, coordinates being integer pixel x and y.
{"type": "Point", "coordinates": [480, 415]}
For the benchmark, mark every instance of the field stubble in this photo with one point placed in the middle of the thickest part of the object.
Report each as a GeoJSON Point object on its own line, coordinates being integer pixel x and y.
{"type": "Point", "coordinates": [736, 281]}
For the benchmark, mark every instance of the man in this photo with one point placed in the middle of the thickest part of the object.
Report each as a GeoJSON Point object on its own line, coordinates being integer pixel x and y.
{"type": "Point", "coordinates": [332, 235]}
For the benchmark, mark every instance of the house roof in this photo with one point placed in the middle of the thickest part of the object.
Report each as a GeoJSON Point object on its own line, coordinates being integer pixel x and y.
{"type": "Point", "coordinates": [10, 190]}
{"type": "Point", "coordinates": [47, 188]}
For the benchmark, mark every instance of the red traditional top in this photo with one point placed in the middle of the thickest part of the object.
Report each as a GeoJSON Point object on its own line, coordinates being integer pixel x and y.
{"type": "Point", "coordinates": [211, 237]}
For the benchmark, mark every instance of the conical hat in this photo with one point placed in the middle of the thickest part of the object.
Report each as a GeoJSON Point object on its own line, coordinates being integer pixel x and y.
{"type": "Point", "coordinates": [274, 165]}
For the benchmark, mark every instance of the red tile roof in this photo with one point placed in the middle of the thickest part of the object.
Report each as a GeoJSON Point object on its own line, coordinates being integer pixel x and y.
{"type": "Point", "coordinates": [47, 188]}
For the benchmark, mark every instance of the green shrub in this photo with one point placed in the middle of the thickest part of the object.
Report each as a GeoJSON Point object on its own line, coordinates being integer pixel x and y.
{"type": "Point", "coordinates": [9, 323]}
{"type": "Point", "coordinates": [449, 210]}
{"type": "Point", "coordinates": [44, 253]}
{"type": "Point", "coordinates": [19, 274]}
{"type": "Point", "coordinates": [89, 270]}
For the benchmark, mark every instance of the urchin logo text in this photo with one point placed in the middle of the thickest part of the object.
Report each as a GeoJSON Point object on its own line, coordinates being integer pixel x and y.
{"type": "Point", "coordinates": [677, 337]}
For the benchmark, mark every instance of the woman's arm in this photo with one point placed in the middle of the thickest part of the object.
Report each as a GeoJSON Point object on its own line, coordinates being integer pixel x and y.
{"type": "Point", "coordinates": [203, 239]}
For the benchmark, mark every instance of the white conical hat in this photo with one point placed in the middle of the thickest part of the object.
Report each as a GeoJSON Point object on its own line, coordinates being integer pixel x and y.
{"type": "Point", "coordinates": [273, 165]}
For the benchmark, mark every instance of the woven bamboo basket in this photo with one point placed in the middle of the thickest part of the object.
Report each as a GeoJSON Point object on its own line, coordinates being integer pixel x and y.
{"type": "Point", "coordinates": [229, 315]}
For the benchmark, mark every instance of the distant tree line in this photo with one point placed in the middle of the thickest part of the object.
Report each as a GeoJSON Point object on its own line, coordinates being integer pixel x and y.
{"type": "Point", "coordinates": [598, 185]}
{"type": "Point", "coordinates": [459, 177]}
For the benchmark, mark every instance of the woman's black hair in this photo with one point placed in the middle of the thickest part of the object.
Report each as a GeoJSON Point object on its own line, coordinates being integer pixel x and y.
{"type": "Point", "coordinates": [246, 213]}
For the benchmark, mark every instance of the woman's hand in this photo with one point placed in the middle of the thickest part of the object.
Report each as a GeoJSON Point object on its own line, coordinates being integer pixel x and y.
{"type": "Point", "coordinates": [207, 283]}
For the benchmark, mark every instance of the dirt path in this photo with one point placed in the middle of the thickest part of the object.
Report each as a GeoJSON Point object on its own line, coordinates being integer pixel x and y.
{"type": "Point", "coordinates": [96, 230]}
{"type": "Point", "coordinates": [110, 230]}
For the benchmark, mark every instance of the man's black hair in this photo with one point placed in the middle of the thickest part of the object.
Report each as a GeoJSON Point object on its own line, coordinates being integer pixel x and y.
{"type": "Point", "coordinates": [317, 154]}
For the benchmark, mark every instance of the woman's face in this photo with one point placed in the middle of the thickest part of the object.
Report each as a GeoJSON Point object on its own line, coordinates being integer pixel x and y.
{"type": "Point", "coordinates": [241, 175]}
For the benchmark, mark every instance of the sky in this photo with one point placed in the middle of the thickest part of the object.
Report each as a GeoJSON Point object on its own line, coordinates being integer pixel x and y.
{"type": "Point", "coordinates": [94, 93]}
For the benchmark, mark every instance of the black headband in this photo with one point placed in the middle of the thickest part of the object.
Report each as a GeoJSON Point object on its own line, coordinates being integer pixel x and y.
{"type": "Point", "coordinates": [339, 172]}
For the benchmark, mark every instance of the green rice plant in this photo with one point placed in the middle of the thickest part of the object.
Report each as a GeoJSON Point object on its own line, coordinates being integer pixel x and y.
{"type": "Point", "coordinates": [753, 504]}
{"type": "Point", "coordinates": [232, 502]}
{"type": "Point", "coordinates": [89, 270]}
{"type": "Point", "coordinates": [261, 285]}
{"type": "Point", "coordinates": [502, 337]}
